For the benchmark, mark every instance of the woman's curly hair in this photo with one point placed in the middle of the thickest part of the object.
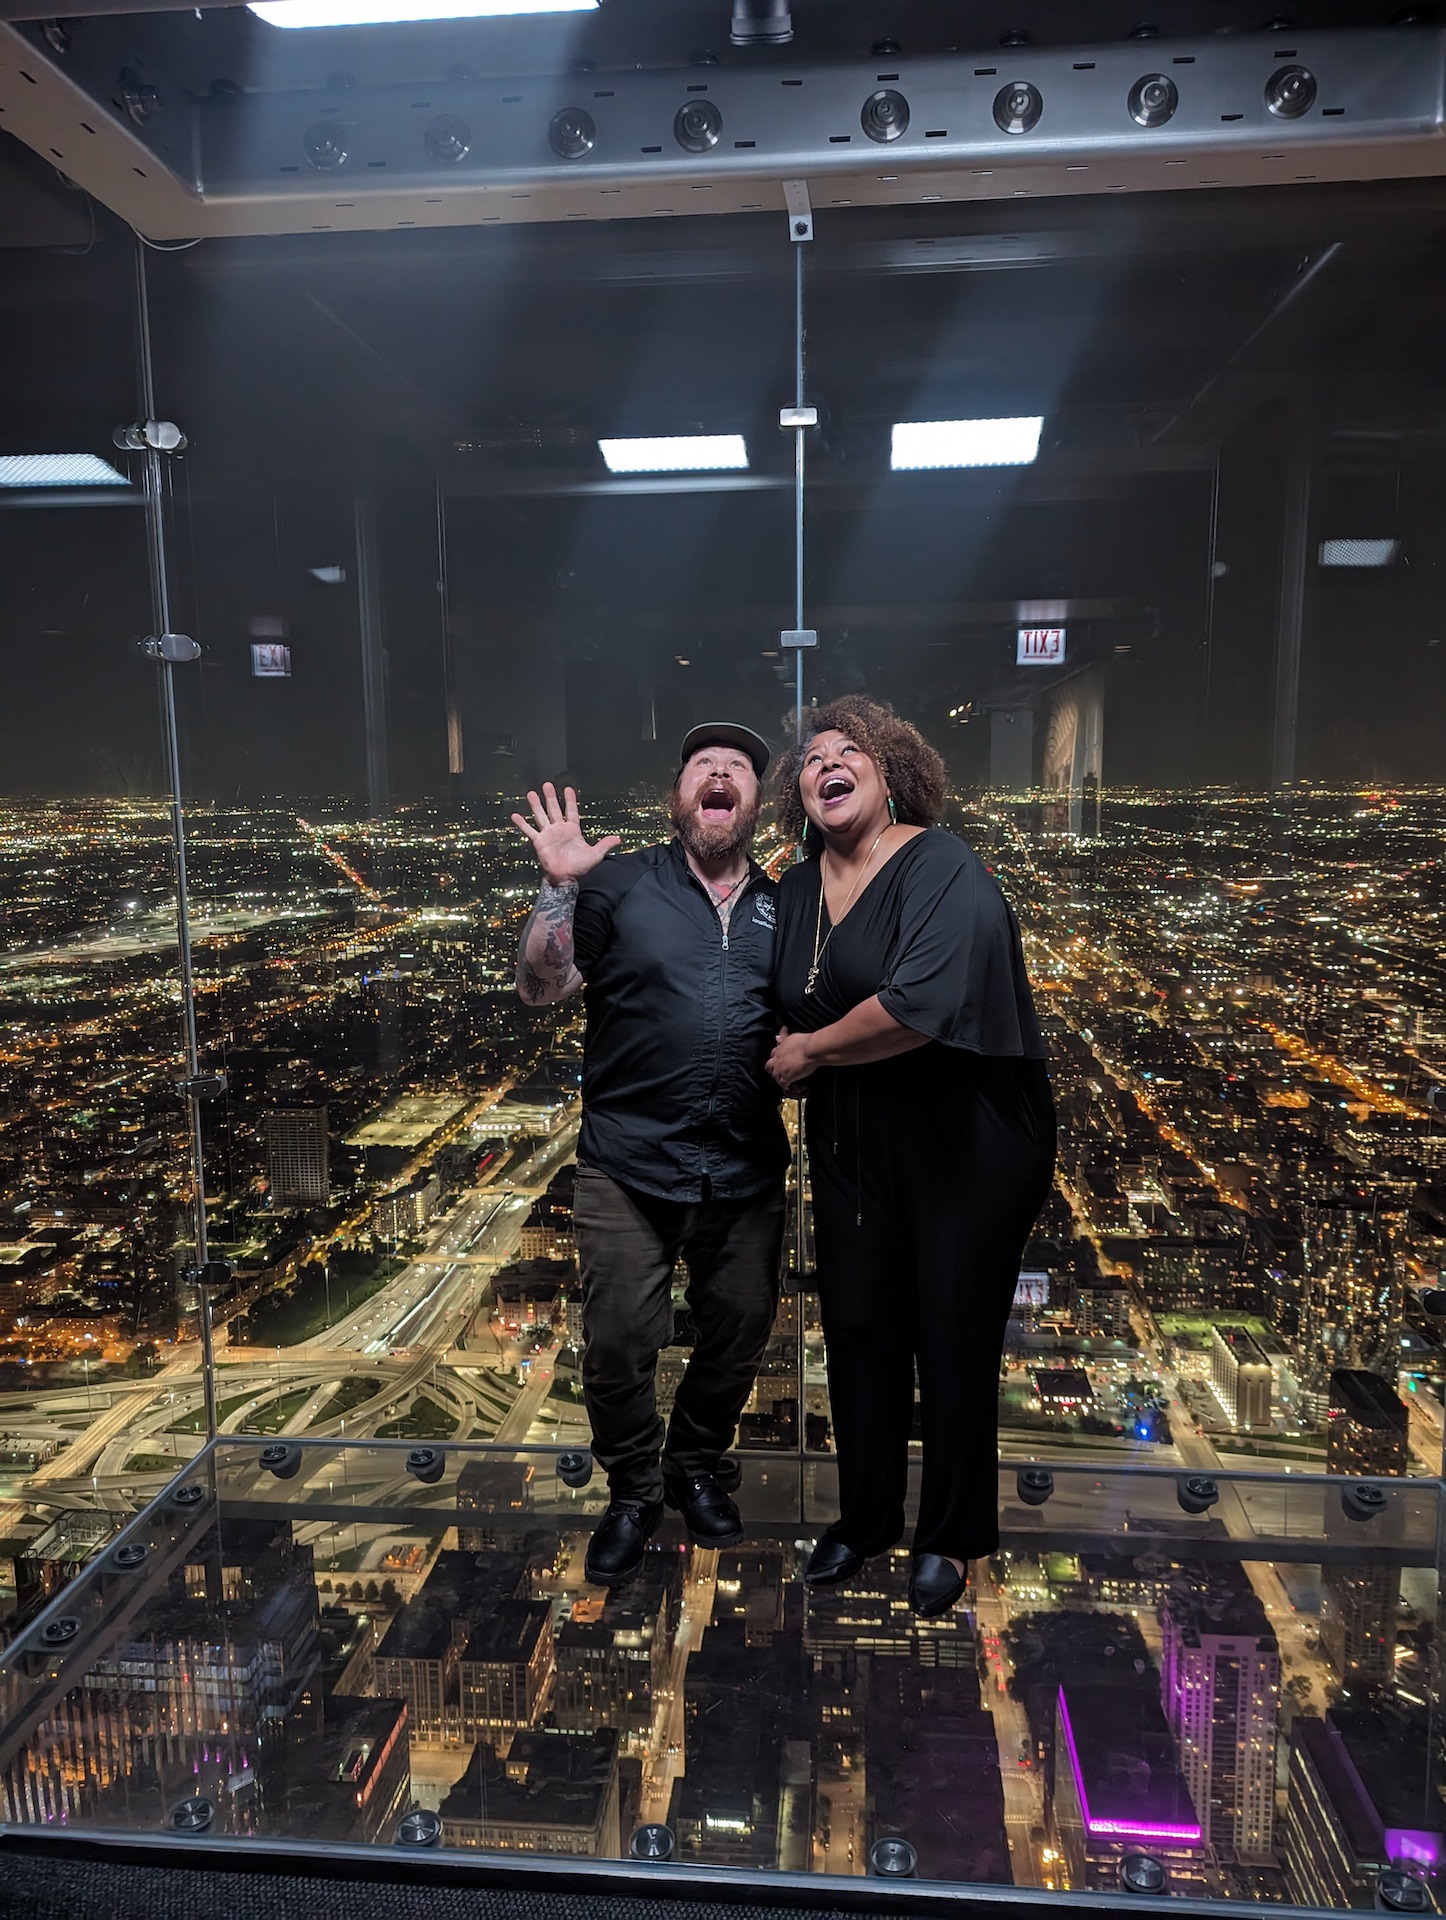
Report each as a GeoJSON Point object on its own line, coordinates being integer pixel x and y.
{"type": "Point", "coordinates": [913, 770]}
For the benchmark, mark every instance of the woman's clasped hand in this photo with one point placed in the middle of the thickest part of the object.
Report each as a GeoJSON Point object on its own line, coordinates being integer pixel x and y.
{"type": "Point", "coordinates": [791, 1062]}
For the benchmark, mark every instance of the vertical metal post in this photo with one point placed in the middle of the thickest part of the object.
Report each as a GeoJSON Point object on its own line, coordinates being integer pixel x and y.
{"type": "Point", "coordinates": [798, 439]}
{"type": "Point", "coordinates": [1294, 535]}
{"type": "Point", "coordinates": [155, 480]}
{"type": "Point", "coordinates": [449, 682]}
{"type": "Point", "coordinates": [373, 657]}
{"type": "Point", "coordinates": [798, 419]}
{"type": "Point", "coordinates": [1207, 651]}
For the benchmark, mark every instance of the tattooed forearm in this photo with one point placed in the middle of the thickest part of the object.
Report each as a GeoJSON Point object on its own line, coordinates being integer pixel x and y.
{"type": "Point", "coordinates": [546, 969]}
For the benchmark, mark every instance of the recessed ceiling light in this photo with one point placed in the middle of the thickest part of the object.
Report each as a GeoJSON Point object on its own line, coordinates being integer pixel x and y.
{"type": "Point", "coordinates": [965, 443]}
{"type": "Point", "coordinates": [379, 13]}
{"type": "Point", "coordinates": [676, 453]}
{"type": "Point", "coordinates": [58, 470]}
{"type": "Point", "coordinates": [1358, 553]}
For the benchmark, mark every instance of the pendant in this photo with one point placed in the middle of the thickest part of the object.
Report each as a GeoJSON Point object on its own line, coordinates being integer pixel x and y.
{"type": "Point", "coordinates": [811, 982]}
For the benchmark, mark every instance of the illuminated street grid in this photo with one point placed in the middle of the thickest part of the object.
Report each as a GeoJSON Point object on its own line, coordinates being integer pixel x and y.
{"type": "Point", "coordinates": [1247, 1014]}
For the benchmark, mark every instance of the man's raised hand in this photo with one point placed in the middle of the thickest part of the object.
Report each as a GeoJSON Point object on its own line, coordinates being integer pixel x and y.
{"type": "Point", "coordinates": [557, 838]}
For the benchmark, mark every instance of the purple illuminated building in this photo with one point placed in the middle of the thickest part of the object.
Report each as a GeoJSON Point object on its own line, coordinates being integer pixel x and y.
{"type": "Point", "coordinates": [1118, 1788]}
{"type": "Point", "coordinates": [1359, 1799]}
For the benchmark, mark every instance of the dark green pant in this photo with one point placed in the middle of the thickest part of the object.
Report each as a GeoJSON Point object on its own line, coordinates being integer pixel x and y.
{"type": "Point", "coordinates": [628, 1244]}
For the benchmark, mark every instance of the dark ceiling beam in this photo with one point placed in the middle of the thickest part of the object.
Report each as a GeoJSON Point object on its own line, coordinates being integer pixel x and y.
{"type": "Point", "coordinates": [867, 240]}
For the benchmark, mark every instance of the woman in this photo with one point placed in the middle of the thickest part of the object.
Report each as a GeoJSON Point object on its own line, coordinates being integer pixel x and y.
{"type": "Point", "coordinates": [908, 1019]}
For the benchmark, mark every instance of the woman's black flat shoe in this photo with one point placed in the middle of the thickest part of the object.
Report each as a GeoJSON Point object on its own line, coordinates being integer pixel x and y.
{"type": "Point", "coordinates": [831, 1563]}
{"type": "Point", "coordinates": [934, 1586]}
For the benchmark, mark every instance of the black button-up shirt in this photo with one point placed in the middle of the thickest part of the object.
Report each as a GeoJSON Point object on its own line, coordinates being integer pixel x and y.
{"type": "Point", "coordinates": [679, 1024]}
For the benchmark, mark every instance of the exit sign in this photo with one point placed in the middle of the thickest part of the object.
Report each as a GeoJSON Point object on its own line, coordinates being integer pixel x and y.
{"type": "Point", "coordinates": [1040, 647]}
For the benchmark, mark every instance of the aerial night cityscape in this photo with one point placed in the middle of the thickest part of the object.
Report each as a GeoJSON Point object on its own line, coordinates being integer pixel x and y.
{"type": "Point", "coordinates": [1229, 1275]}
{"type": "Point", "coordinates": [426, 421]}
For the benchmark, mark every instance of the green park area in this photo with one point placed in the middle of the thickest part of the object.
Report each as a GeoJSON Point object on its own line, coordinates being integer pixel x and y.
{"type": "Point", "coordinates": [1197, 1327]}
{"type": "Point", "coordinates": [153, 1463]}
{"type": "Point", "coordinates": [299, 1310]}
{"type": "Point", "coordinates": [195, 1422]}
{"type": "Point", "coordinates": [272, 1417]}
{"type": "Point", "coordinates": [424, 1420]}
{"type": "Point", "coordinates": [349, 1395]}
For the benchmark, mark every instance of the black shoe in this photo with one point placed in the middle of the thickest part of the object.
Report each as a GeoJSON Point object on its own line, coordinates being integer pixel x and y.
{"type": "Point", "coordinates": [831, 1563]}
{"type": "Point", "coordinates": [616, 1549]}
{"type": "Point", "coordinates": [709, 1515]}
{"type": "Point", "coordinates": [934, 1586]}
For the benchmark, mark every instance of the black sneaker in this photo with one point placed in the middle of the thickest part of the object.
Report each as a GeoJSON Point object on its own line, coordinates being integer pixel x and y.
{"type": "Point", "coordinates": [709, 1515]}
{"type": "Point", "coordinates": [620, 1540]}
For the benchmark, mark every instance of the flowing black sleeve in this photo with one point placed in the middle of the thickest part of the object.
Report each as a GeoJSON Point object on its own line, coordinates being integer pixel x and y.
{"type": "Point", "coordinates": [955, 970]}
{"type": "Point", "coordinates": [592, 918]}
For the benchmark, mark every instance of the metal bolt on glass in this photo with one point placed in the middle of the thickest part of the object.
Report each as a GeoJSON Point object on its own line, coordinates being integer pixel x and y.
{"type": "Point", "coordinates": [1363, 1500]}
{"type": "Point", "coordinates": [653, 1841]}
{"type": "Point", "coordinates": [574, 1469]}
{"type": "Point", "coordinates": [1196, 1492]}
{"type": "Point", "coordinates": [893, 1858]}
{"type": "Point", "coordinates": [419, 1828]}
{"type": "Point", "coordinates": [283, 1458]}
{"type": "Point", "coordinates": [194, 1816]}
{"type": "Point", "coordinates": [1400, 1892]}
{"type": "Point", "coordinates": [427, 1464]}
{"type": "Point", "coordinates": [1034, 1485]}
{"type": "Point", "coordinates": [1143, 1873]}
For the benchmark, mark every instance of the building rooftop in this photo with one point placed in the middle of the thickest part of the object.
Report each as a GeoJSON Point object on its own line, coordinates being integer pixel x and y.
{"type": "Point", "coordinates": [457, 1589]}
{"type": "Point", "coordinates": [548, 1779]}
{"type": "Point", "coordinates": [1126, 1773]}
{"type": "Point", "coordinates": [1243, 1344]}
{"type": "Point", "coordinates": [1368, 1400]}
{"type": "Point", "coordinates": [1215, 1597]}
{"type": "Point", "coordinates": [509, 1636]}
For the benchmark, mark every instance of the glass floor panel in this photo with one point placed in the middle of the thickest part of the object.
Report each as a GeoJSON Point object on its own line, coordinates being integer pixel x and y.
{"type": "Point", "coordinates": [312, 1641]}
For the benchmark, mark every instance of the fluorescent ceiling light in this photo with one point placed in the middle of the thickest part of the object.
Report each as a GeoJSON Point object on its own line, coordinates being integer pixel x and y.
{"type": "Point", "coordinates": [1358, 553]}
{"type": "Point", "coordinates": [678, 453]}
{"type": "Point", "coordinates": [58, 470]}
{"type": "Point", "coordinates": [965, 443]}
{"type": "Point", "coordinates": [379, 13]}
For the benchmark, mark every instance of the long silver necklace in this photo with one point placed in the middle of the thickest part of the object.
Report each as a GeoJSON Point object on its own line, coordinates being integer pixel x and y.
{"type": "Point", "coordinates": [820, 946]}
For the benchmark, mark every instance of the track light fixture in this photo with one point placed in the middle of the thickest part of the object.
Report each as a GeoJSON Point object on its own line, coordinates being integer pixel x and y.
{"type": "Point", "coordinates": [572, 134]}
{"type": "Point", "coordinates": [1290, 92]}
{"type": "Point", "coordinates": [761, 23]}
{"type": "Point", "coordinates": [1153, 100]}
{"type": "Point", "coordinates": [448, 140]}
{"type": "Point", "coordinates": [1017, 107]}
{"type": "Point", "coordinates": [885, 115]}
{"type": "Point", "coordinates": [697, 126]}
{"type": "Point", "coordinates": [324, 145]}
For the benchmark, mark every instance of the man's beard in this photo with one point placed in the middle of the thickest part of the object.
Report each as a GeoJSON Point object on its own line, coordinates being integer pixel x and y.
{"type": "Point", "coordinates": [707, 841]}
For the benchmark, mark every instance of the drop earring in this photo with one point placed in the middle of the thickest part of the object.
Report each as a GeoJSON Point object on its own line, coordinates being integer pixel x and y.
{"type": "Point", "coordinates": [804, 835]}
{"type": "Point", "coordinates": [893, 812]}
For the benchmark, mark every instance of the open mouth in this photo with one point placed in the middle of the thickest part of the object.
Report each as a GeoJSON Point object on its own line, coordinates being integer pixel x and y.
{"type": "Point", "coordinates": [835, 789]}
{"type": "Point", "coordinates": [717, 805]}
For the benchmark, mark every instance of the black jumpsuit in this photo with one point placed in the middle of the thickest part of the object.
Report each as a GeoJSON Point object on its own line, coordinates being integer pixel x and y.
{"type": "Point", "coordinates": [928, 1172]}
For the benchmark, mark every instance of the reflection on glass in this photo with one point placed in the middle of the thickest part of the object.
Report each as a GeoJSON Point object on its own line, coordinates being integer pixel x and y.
{"type": "Point", "coordinates": [419, 589]}
{"type": "Point", "coordinates": [344, 1632]}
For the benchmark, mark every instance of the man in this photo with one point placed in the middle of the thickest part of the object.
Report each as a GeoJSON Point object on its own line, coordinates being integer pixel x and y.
{"type": "Point", "coordinates": [682, 1151]}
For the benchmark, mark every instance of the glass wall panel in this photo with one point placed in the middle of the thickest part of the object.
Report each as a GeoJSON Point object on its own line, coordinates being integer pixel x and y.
{"type": "Point", "coordinates": [1184, 671]}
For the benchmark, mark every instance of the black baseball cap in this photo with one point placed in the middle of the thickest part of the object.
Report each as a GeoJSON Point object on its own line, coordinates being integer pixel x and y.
{"type": "Point", "coordinates": [727, 733]}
